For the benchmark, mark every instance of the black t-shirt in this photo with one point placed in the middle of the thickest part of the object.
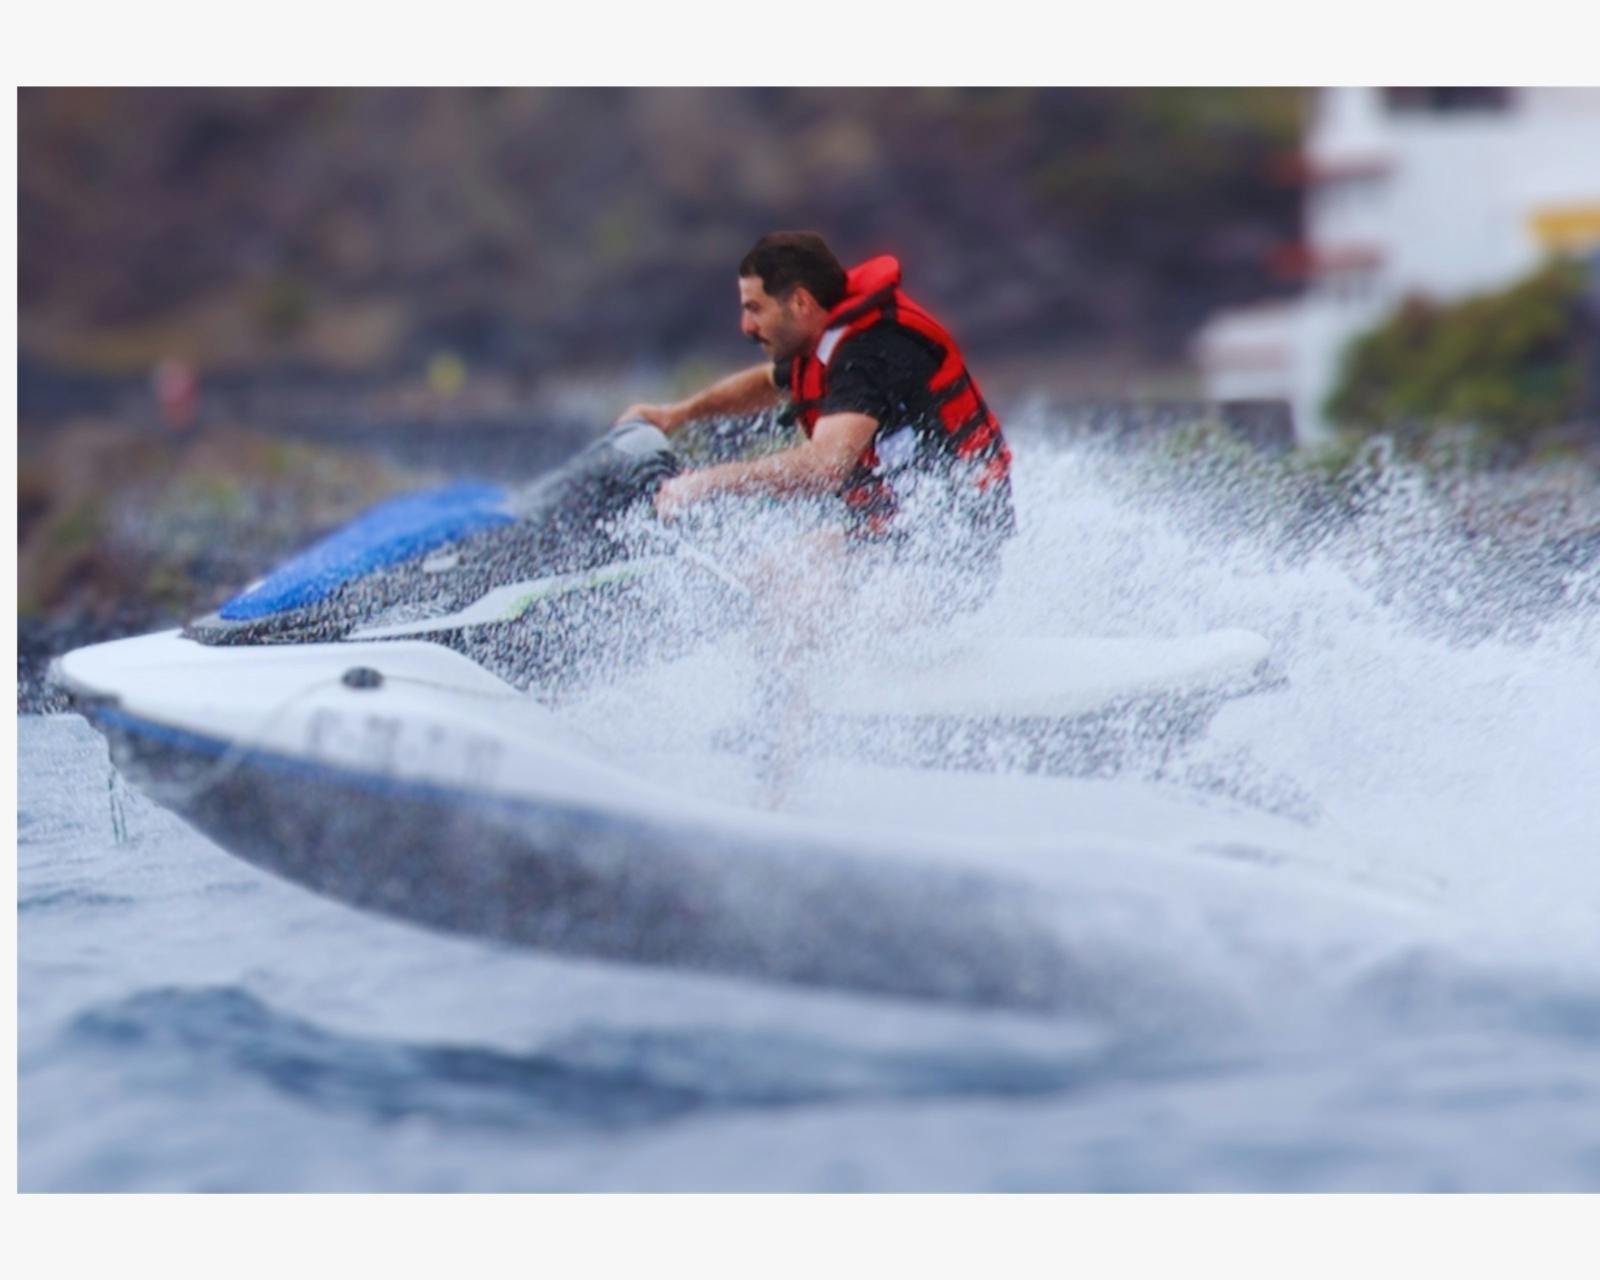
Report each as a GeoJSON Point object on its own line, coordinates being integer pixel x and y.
{"type": "Point", "coordinates": [882, 372]}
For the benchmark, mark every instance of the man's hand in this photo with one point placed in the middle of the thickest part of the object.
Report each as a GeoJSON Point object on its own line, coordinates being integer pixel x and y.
{"type": "Point", "coordinates": [749, 391]}
{"type": "Point", "coordinates": [818, 466]}
{"type": "Point", "coordinates": [665, 416]}
{"type": "Point", "coordinates": [676, 493]}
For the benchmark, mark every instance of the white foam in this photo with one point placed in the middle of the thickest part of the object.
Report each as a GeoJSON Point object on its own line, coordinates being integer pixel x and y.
{"type": "Point", "coordinates": [1436, 735]}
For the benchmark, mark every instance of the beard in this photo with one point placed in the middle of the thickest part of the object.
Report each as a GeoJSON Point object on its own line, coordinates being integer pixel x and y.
{"type": "Point", "coordinates": [782, 347]}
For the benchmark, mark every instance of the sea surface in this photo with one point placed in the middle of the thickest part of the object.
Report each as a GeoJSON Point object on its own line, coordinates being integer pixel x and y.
{"type": "Point", "coordinates": [1346, 939]}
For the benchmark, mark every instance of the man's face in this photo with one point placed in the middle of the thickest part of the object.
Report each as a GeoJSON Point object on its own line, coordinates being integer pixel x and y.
{"type": "Point", "coordinates": [782, 328]}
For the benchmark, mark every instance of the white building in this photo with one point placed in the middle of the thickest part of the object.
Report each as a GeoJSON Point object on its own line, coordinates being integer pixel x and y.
{"type": "Point", "coordinates": [1440, 192]}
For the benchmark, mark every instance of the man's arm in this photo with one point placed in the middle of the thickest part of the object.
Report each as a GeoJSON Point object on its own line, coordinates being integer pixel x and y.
{"type": "Point", "coordinates": [818, 466]}
{"type": "Point", "coordinates": [748, 391]}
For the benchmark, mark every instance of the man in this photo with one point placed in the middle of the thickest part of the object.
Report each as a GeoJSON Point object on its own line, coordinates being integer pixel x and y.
{"type": "Point", "coordinates": [899, 442]}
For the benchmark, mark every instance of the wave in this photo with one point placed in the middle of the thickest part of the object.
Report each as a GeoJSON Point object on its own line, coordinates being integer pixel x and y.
{"type": "Point", "coordinates": [595, 1078]}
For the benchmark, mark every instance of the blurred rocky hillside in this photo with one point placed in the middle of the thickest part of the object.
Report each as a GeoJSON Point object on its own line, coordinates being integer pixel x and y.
{"type": "Point", "coordinates": [528, 231]}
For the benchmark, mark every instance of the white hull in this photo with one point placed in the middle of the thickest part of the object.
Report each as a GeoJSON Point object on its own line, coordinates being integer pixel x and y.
{"type": "Point", "coordinates": [401, 777]}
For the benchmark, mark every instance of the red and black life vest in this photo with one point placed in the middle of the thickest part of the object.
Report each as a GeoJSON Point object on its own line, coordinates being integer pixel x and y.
{"type": "Point", "coordinates": [965, 433]}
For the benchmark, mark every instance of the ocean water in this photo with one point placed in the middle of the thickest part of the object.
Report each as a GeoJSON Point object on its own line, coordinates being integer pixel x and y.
{"type": "Point", "coordinates": [1348, 939]}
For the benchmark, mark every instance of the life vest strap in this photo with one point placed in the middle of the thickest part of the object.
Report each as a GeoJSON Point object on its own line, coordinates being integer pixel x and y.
{"type": "Point", "coordinates": [884, 298]}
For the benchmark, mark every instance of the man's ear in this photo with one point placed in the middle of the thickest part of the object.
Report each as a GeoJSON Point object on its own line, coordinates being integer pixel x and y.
{"type": "Point", "coordinates": [803, 301]}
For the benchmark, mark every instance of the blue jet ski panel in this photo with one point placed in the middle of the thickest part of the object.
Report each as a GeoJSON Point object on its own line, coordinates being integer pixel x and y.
{"type": "Point", "coordinates": [390, 533]}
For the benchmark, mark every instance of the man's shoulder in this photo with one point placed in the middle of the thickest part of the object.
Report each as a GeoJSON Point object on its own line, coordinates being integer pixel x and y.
{"type": "Point", "coordinates": [881, 371]}
{"type": "Point", "coordinates": [892, 348]}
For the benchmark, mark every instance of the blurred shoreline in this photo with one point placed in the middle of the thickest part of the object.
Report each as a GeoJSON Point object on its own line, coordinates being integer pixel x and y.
{"type": "Point", "coordinates": [129, 525]}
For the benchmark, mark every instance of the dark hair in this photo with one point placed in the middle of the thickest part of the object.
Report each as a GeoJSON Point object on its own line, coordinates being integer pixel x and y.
{"type": "Point", "coordinates": [786, 259]}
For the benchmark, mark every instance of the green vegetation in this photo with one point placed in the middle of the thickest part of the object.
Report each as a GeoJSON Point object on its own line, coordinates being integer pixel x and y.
{"type": "Point", "coordinates": [283, 307]}
{"type": "Point", "coordinates": [80, 527]}
{"type": "Point", "coordinates": [1488, 375]}
{"type": "Point", "coordinates": [113, 519]}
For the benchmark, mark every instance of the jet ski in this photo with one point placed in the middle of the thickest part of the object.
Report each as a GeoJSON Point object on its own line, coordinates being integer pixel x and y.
{"type": "Point", "coordinates": [515, 580]}
{"type": "Point", "coordinates": [377, 719]}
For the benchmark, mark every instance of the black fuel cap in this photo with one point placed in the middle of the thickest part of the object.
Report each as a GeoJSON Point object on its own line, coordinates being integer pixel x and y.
{"type": "Point", "coordinates": [363, 678]}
